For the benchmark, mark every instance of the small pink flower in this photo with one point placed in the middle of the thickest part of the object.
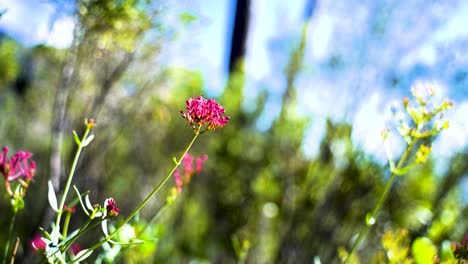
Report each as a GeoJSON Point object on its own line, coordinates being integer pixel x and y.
{"type": "Point", "coordinates": [201, 112]}
{"type": "Point", "coordinates": [37, 243]}
{"type": "Point", "coordinates": [71, 210]}
{"type": "Point", "coordinates": [200, 161]}
{"type": "Point", "coordinates": [75, 248]}
{"type": "Point", "coordinates": [189, 171]}
{"type": "Point", "coordinates": [178, 180]}
{"type": "Point", "coordinates": [17, 165]}
{"type": "Point", "coordinates": [188, 163]}
{"type": "Point", "coordinates": [112, 210]}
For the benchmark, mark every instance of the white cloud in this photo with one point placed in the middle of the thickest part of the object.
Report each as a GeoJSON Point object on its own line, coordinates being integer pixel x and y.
{"type": "Point", "coordinates": [455, 138]}
{"type": "Point", "coordinates": [29, 22]}
{"type": "Point", "coordinates": [320, 33]}
{"type": "Point", "coordinates": [61, 35]}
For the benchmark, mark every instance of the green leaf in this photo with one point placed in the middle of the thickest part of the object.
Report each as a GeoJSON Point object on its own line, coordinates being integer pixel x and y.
{"type": "Point", "coordinates": [81, 201]}
{"type": "Point", "coordinates": [82, 255]}
{"type": "Point", "coordinates": [77, 139]}
{"type": "Point", "coordinates": [423, 250]}
{"type": "Point", "coordinates": [46, 234]}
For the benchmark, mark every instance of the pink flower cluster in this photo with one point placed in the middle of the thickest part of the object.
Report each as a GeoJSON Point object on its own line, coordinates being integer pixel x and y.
{"type": "Point", "coordinates": [18, 165]}
{"type": "Point", "coordinates": [189, 171]}
{"type": "Point", "coordinates": [201, 112]}
{"type": "Point", "coordinates": [112, 210]}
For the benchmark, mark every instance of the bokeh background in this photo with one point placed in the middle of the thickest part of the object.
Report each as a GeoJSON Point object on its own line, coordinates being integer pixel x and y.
{"type": "Point", "coordinates": [308, 85]}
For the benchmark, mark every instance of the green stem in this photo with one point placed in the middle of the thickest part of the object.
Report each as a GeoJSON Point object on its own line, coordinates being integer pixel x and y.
{"type": "Point", "coordinates": [10, 233]}
{"type": "Point", "coordinates": [154, 218]}
{"type": "Point", "coordinates": [83, 229]}
{"type": "Point", "coordinates": [373, 215]}
{"type": "Point", "coordinates": [148, 198]}
{"type": "Point", "coordinates": [67, 186]}
{"type": "Point", "coordinates": [65, 225]}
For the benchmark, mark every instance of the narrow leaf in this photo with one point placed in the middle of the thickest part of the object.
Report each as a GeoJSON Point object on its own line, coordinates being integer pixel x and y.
{"type": "Point", "coordinates": [82, 255]}
{"type": "Point", "coordinates": [104, 228]}
{"type": "Point", "coordinates": [88, 140]}
{"type": "Point", "coordinates": [52, 197]}
{"type": "Point", "coordinates": [88, 203]}
{"type": "Point", "coordinates": [46, 234]}
{"type": "Point", "coordinates": [81, 201]}
{"type": "Point", "coordinates": [77, 139]}
{"type": "Point", "coordinates": [133, 242]}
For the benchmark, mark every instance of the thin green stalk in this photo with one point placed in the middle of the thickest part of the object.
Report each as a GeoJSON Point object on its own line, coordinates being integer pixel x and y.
{"type": "Point", "coordinates": [85, 228]}
{"type": "Point", "coordinates": [148, 198]}
{"type": "Point", "coordinates": [67, 186]}
{"type": "Point", "coordinates": [154, 218]}
{"type": "Point", "coordinates": [65, 225]}
{"type": "Point", "coordinates": [10, 233]}
{"type": "Point", "coordinates": [373, 215]}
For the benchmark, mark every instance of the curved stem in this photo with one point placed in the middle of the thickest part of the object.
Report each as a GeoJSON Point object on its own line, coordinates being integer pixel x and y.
{"type": "Point", "coordinates": [10, 233]}
{"type": "Point", "coordinates": [67, 186]}
{"type": "Point", "coordinates": [371, 218]}
{"type": "Point", "coordinates": [148, 198]}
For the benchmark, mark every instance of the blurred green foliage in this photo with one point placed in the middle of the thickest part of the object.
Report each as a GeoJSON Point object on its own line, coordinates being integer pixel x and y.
{"type": "Point", "coordinates": [9, 65]}
{"type": "Point", "coordinates": [259, 199]}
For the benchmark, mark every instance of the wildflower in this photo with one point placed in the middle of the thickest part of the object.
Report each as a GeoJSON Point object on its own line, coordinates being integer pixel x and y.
{"type": "Point", "coordinates": [178, 180]}
{"type": "Point", "coordinates": [70, 210]}
{"type": "Point", "coordinates": [112, 210]}
{"type": "Point", "coordinates": [189, 171]}
{"type": "Point", "coordinates": [201, 112]}
{"type": "Point", "coordinates": [75, 248]}
{"type": "Point", "coordinates": [29, 171]}
{"type": "Point", "coordinates": [200, 161]}
{"type": "Point", "coordinates": [188, 164]}
{"type": "Point", "coordinates": [90, 123]}
{"type": "Point", "coordinates": [423, 154]}
{"type": "Point", "coordinates": [405, 102]}
{"type": "Point", "coordinates": [16, 167]}
{"type": "Point", "coordinates": [37, 243]}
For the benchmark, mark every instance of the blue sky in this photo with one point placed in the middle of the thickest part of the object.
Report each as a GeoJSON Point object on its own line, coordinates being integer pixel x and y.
{"type": "Point", "coordinates": [272, 21]}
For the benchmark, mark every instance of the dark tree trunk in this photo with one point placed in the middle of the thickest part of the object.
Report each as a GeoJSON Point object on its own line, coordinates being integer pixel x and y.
{"type": "Point", "coordinates": [239, 33]}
